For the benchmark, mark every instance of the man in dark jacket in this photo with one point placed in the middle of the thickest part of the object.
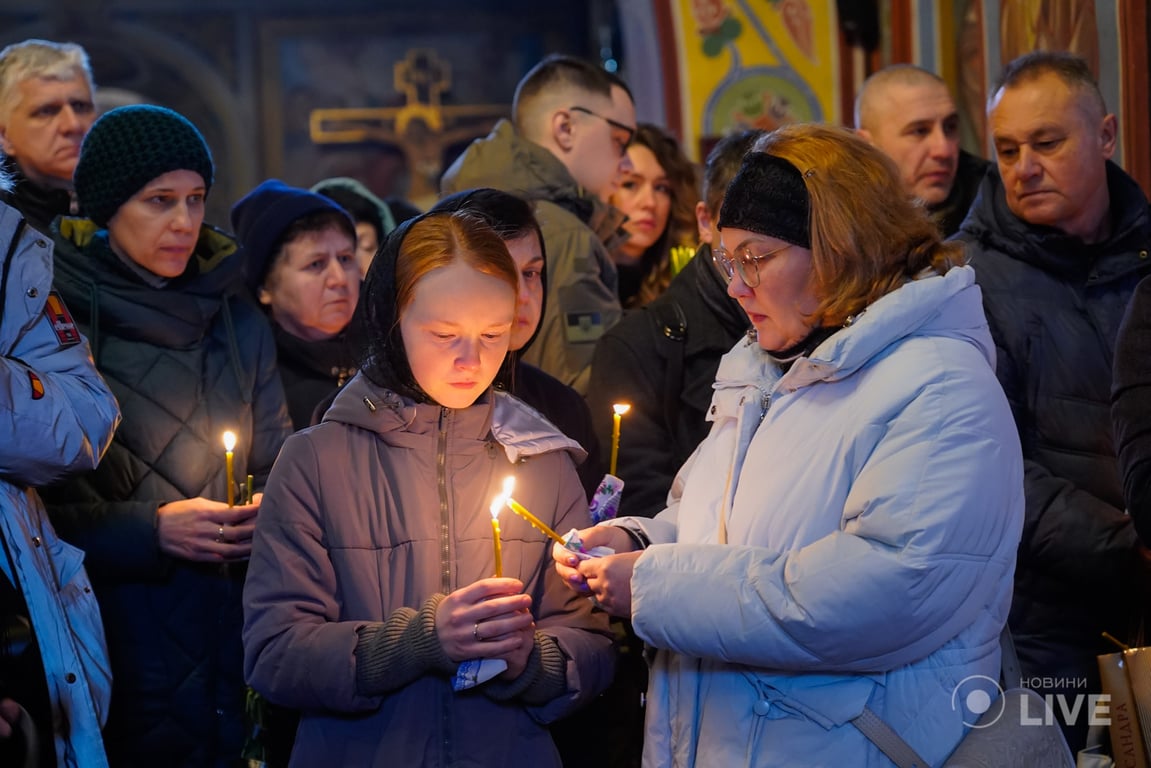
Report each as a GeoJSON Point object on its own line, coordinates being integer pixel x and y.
{"type": "Point", "coordinates": [564, 149]}
{"type": "Point", "coordinates": [45, 110]}
{"type": "Point", "coordinates": [908, 113]}
{"type": "Point", "coordinates": [1131, 407]}
{"type": "Point", "coordinates": [662, 358]}
{"type": "Point", "coordinates": [1059, 238]}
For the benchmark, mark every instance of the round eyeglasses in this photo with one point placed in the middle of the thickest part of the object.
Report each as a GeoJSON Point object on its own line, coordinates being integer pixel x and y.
{"type": "Point", "coordinates": [744, 260]}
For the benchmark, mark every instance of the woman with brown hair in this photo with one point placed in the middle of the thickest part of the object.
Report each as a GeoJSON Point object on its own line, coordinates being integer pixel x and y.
{"type": "Point", "coordinates": [842, 544]}
{"type": "Point", "coordinates": [658, 194]}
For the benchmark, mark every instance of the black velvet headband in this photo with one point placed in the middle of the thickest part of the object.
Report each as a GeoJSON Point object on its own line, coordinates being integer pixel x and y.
{"type": "Point", "coordinates": [768, 197]}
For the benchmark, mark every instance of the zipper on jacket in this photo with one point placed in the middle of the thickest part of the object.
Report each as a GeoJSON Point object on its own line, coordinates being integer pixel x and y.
{"type": "Point", "coordinates": [445, 523]}
{"type": "Point", "coordinates": [764, 404]}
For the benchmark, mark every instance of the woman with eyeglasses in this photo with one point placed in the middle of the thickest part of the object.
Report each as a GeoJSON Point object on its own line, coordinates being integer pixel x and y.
{"type": "Point", "coordinates": [842, 544]}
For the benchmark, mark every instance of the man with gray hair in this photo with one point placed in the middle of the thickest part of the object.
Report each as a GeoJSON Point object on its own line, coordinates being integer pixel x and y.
{"type": "Point", "coordinates": [46, 109]}
{"type": "Point", "coordinates": [1059, 236]}
{"type": "Point", "coordinates": [908, 113]}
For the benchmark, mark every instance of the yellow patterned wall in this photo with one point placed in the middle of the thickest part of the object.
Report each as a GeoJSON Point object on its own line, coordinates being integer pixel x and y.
{"type": "Point", "coordinates": [755, 63]}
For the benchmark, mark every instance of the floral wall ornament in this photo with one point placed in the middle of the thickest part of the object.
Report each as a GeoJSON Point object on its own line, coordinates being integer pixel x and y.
{"type": "Point", "coordinates": [796, 15]}
{"type": "Point", "coordinates": [715, 25]}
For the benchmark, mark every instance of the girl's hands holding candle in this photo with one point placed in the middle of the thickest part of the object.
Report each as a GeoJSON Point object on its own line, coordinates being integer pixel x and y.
{"type": "Point", "coordinates": [488, 619]}
{"type": "Point", "coordinates": [207, 531]}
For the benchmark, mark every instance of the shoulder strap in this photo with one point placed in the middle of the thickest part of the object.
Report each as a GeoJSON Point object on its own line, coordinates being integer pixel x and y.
{"type": "Point", "coordinates": [671, 322]}
{"type": "Point", "coordinates": [889, 742]}
{"type": "Point", "coordinates": [892, 744]}
{"type": "Point", "coordinates": [1010, 673]}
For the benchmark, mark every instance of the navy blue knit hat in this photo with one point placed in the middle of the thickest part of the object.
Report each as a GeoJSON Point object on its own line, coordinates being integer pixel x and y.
{"type": "Point", "coordinates": [127, 148]}
{"type": "Point", "coordinates": [768, 197]}
{"type": "Point", "coordinates": [260, 218]}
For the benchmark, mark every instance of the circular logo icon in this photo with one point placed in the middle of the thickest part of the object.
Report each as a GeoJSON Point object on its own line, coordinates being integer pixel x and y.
{"type": "Point", "coordinates": [975, 696]}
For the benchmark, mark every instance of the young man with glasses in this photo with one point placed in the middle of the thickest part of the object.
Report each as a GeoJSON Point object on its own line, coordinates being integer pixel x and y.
{"type": "Point", "coordinates": [565, 148]}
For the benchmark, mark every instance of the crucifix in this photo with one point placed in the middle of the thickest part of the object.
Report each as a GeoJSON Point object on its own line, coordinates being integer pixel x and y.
{"type": "Point", "coordinates": [423, 128]}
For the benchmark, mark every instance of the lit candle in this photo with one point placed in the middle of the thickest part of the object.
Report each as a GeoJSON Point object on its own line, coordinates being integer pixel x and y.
{"type": "Point", "coordinates": [497, 505]}
{"type": "Point", "coordinates": [515, 506]}
{"type": "Point", "coordinates": [620, 409]}
{"type": "Point", "coordinates": [229, 446]}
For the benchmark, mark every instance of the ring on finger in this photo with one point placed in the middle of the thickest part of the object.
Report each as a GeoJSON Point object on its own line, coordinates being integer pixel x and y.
{"type": "Point", "coordinates": [220, 535]}
{"type": "Point", "coordinates": [476, 633]}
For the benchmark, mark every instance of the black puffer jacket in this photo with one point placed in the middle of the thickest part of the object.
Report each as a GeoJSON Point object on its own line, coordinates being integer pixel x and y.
{"type": "Point", "coordinates": [1131, 408]}
{"type": "Point", "coordinates": [186, 364]}
{"type": "Point", "coordinates": [635, 362]}
{"type": "Point", "coordinates": [1054, 305]}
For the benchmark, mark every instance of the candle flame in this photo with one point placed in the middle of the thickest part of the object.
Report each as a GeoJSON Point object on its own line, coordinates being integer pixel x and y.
{"type": "Point", "coordinates": [501, 500]}
{"type": "Point", "coordinates": [229, 440]}
{"type": "Point", "coordinates": [621, 408]}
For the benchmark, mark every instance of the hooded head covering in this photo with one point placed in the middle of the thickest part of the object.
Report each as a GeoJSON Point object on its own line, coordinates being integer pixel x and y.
{"type": "Point", "coordinates": [386, 364]}
{"type": "Point", "coordinates": [512, 218]}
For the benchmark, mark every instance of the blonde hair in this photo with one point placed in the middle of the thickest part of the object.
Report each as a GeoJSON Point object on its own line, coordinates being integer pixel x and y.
{"type": "Point", "coordinates": [868, 235]}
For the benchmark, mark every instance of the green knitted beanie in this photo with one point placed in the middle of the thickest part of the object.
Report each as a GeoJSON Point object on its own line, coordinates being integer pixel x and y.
{"type": "Point", "coordinates": [127, 148]}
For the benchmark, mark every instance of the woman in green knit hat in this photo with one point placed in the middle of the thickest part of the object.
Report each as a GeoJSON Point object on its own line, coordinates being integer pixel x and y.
{"type": "Point", "coordinates": [188, 355]}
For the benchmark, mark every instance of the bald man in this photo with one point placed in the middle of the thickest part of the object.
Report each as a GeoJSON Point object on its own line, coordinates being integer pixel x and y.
{"type": "Point", "coordinates": [908, 113]}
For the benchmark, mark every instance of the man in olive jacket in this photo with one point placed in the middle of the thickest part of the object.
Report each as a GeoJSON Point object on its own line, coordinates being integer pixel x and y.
{"type": "Point", "coordinates": [564, 149]}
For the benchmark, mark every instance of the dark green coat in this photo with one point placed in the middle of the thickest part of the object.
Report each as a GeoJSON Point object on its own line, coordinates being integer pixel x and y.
{"type": "Point", "coordinates": [186, 364]}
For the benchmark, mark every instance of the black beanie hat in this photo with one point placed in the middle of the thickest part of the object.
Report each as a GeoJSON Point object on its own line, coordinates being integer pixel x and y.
{"type": "Point", "coordinates": [127, 148]}
{"type": "Point", "coordinates": [260, 218]}
{"type": "Point", "coordinates": [768, 197]}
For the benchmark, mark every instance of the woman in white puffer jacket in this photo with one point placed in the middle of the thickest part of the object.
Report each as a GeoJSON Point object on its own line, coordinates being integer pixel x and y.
{"type": "Point", "coordinates": [845, 537]}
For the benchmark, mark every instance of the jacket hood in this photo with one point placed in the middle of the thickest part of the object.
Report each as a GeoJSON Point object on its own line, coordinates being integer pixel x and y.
{"type": "Point", "coordinates": [462, 201]}
{"type": "Point", "coordinates": [505, 160]}
{"type": "Point", "coordinates": [947, 306]}
{"type": "Point", "coordinates": [992, 224]}
{"type": "Point", "coordinates": [518, 428]}
{"type": "Point", "coordinates": [104, 291]}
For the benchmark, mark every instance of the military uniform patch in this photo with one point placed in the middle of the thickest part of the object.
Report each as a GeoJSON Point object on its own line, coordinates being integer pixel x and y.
{"type": "Point", "coordinates": [583, 327]}
{"type": "Point", "coordinates": [61, 319]}
{"type": "Point", "coordinates": [37, 386]}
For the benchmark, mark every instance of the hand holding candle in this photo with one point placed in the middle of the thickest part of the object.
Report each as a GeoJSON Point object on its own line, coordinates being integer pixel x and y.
{"type": "Point", "coordinates": [229, 446]}
{"type": "Point", "coordinates": [619, 410]}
